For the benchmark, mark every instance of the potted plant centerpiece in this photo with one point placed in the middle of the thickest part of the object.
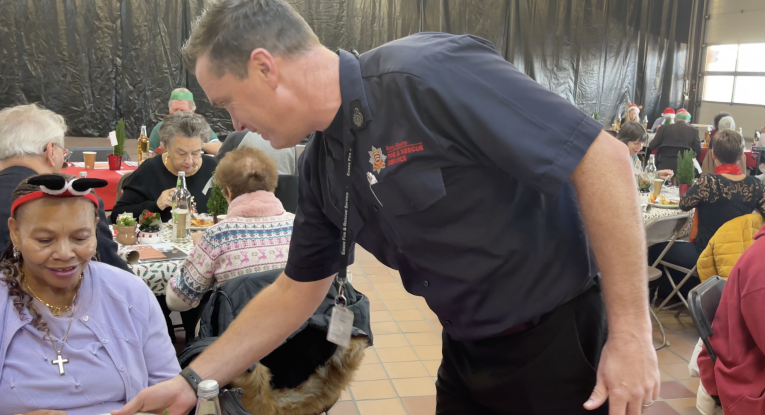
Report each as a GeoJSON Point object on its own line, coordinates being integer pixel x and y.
{"type": "Point", "coordinates": [217, 205]}
{"type": "Point", "coordinates": [125, 228]}
{"type": "Point", "coordinates": [149, 228]}
{"type": "Point", "coordinates": [118, 151]}
{"type": "Point", "coordinates": [685, 175]}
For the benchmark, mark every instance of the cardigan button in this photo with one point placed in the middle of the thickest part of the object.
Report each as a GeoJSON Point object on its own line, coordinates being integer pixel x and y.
{"type": "Point", "coordinates": [85, 318]}
{"type": "Point", "coordinates": [122, 368]}
{"type": "Point", "coordinates": [104, 341]}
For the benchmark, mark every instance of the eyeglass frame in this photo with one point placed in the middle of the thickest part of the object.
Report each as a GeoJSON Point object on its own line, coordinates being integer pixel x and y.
{"type": "Point", "coordinates": [67, 153]}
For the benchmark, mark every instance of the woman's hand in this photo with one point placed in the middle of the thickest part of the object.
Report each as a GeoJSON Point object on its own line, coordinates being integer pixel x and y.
{"type": "Point", "coordinates": [165, 199]}
{"type": "Point", "coordinates": [666, 174]}
{"type": "Point", "coordinates": [45, 412]}
{"type": "Point", "coordinates": [196, 237]}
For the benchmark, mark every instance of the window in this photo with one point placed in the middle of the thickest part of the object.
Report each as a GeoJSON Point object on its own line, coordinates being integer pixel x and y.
{"type": "Point", "coordinates": [735, 74]}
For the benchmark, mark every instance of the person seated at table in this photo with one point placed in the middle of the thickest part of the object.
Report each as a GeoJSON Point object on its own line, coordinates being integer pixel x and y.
{"type": "Point", "coordinates": [182, 100]}
{"type": "Point", "coordinates": [284, 158]}
{"type": "Point", "coordinates": [633, 135]}
{"type": "Point", "coordinates": [152, 185]}
{"type": "Point", "coordinates": [727, 125]}
{"type": "Point", "coordinates": [79, 336]}
{"type": "Point", "coordinates": [718, 198]}
{"type": "Point", "coordinates": [667, 114]}
{"type": "Point", "coordinates": [254, 237]}
{"type": "Point", "coordinates": [32, 142]}
{"type": "Point", "coordinates": [671, 139]}
{"type": "Point", "coordinates": [738, 341]}
{"type": "Point", "coordinates": [631, 114]}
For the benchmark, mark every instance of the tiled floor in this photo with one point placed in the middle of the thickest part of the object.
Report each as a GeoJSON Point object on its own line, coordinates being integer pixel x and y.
{"type": "Point", "coordinates": [399, 373]}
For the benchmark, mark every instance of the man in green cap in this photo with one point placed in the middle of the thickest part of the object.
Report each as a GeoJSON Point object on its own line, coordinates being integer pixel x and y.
{"type": "Point", "coordinates": [182, 100]}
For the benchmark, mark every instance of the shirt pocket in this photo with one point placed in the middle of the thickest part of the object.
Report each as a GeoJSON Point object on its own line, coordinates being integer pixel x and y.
{"type": "Point", "coordinates": [410, 192]}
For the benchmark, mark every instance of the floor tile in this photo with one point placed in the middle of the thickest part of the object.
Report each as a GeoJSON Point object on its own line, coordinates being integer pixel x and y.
{"type": "Point", "coordinates": [678, 370]}
{"type": "Point", "coordinates": [397, 354]}
{"type": "Point", "coordinates": [377, 306]}
{"type": "Point", "coordinates": [692, 384]}
{"type": "Point", "coordinates": [423, 339]}
{"type": "Point", "coordinates": [363, 287]}
{"type": "Point", "coordinates": [415, 387]}
{"type": "Point", "coordinates": [370, 357]}
{"type": "Point", "coordinates": [660, 408]}
{"type": "Point", "coordinates": [437, 324]}
{"type": "Point", "coordinates": [394, 305]}
{"type": "Point", "coordinates": [668, 356]}
{"type": "Point", "coordinates": [372, 295]}
{"type": "Point", "coordinates": [385, 328]}
{"type": "Point", "coordinates": [428, 352]}
{"type": "Point", "coordinates": [344, 408]}
{"type": "Point", "coordinates": [388, 286]}
{"type": "Point", "coordinates": [376, 271]}
{"type": "Point", "coordinates": [373, 371]}
{"type": "Point", "coordinates": [414, 327]}
{"type": "Point", "coordinates": [380, 317]}
{"type": "Point", "coordinates": [664, 375]}
{"type": "Point", "coordinates": [432, 366]}
{"type": "Point", "coordinates": [430, 315]}
{"type": "Point", "coordinates": [345, 395]}
{"type": "Point", "coordinates": [685, 406]}
{"type": "Point", "coordinates": [407, 315]}
{"type": "Point", "coordinates": [424, 405]}
{"type": "Point", "coordinates": [381, 407]}
{"type": "Point", "coordinates": [382, 279]}
{"type": "Point", "coordinates": [374, 389]}
{"type": "Point", "coordinates": [675, 390]}
{"type": "Point", "coordinates": [393, 295]}
{"type": "Point", "coordinates": [401, 370]}
{"type": "Point", "coordinates": [390, 340]}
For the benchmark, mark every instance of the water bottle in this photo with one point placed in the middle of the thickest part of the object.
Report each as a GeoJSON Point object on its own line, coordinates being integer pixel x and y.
{"type": "Point", "coordinates": [208, 402]}
{"type": "Point", "coordinates": [649, 172]}
{"type": "Point", "coordinates": [181, 209]}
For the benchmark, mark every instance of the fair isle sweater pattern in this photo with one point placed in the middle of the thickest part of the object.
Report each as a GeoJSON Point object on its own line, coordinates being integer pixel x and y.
{"type": "Point", "coordinates": [233, 247]}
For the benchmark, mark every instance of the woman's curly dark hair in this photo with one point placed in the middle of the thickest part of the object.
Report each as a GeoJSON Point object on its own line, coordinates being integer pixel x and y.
{"type": "Point", "coordinates": [10, 266]}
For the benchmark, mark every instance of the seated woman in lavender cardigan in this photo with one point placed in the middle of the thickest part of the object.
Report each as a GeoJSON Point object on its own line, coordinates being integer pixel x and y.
{"type": "Point", "coordinates": [77, 336]}
{"type": "Point", "coordinates": [254, 237]}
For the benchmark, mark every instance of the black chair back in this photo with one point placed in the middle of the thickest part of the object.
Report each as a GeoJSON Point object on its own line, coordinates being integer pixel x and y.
{"type": "Point", "coordinates": [122, 183]}
{"type": "Point", "coordinates": [287, 191]}
{"type": "Point", "coordinates": [101, 153]}
{"type": "Point", "coordinates": [703, 302]}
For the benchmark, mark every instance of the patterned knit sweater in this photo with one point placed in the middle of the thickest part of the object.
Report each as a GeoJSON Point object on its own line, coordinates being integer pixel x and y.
{"type": "Point", "coordinates": [254, 237]}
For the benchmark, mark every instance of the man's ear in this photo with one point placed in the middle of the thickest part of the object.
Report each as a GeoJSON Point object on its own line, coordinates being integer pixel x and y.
{"type": "Point", "coordinates": [262, 66]}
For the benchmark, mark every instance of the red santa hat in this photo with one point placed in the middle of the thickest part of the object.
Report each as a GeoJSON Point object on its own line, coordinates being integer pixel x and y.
{"type": "Point", "coordinates": [668, 112]}
{"type": "Point", "coordinates": [633, 107]}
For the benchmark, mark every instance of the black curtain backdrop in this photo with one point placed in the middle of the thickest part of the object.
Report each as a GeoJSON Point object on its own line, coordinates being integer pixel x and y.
{"type": "Point", "coordinates": [95, 61]}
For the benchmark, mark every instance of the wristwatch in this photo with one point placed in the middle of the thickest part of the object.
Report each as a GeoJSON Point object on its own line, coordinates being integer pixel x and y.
{"type": "Point", "coordinates": [191, 376]}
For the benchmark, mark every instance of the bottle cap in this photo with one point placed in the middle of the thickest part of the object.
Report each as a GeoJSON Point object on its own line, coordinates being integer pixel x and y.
{"type": "Point", "coordinates": [181, 173]}
{"type": "Point", "coordinates": [207, 389]}
{"type": "Point", "coordinates": [83, 174]}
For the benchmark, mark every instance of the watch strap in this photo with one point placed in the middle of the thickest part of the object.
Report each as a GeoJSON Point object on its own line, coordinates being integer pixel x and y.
{"type": "Point", "coordinates": [192, 378]}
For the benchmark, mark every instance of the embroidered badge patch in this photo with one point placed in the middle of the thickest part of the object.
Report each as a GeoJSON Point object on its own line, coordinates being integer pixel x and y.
{"type": "Point", "coordinates": [377, 158]}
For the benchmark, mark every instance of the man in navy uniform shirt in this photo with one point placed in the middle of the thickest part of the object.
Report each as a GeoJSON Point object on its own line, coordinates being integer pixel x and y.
{"type": "Point", "coordinates": [491, 211]}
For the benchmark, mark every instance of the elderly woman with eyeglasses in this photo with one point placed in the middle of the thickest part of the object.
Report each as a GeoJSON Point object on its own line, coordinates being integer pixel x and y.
{"type": "Point", "coordinates": [32, 142]}
{"type": "Point", "coordinates": [151, 186]}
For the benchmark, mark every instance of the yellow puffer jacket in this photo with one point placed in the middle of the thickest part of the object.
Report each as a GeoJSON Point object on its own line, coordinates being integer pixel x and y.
{"type": "Point", "coordinates": [727, 246]}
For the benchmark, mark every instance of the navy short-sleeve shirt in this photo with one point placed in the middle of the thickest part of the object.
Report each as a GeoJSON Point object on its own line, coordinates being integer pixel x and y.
{"type": "Point", "coordinates": [459, 181]}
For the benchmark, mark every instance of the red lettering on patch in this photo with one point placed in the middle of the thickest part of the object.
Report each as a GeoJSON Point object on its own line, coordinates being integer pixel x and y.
{"type": "Point", "coordinates": [397, 152]}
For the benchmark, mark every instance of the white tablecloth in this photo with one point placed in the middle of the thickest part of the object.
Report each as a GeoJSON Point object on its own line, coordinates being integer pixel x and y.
{"type": "Point", "coordinates": [653, 212]}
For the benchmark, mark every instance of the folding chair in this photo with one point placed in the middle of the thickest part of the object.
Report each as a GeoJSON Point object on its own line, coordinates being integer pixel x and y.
{"type": "Point", "coordinates": [658, 230]}
{"type": "Point", "coordinates": [703, 301]}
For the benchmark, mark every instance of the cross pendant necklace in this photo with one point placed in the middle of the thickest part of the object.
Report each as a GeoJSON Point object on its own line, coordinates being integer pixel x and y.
{"type": "Point", "coordinates": [60, 361]}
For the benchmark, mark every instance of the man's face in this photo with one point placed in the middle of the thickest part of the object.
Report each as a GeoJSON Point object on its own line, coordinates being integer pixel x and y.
{"type": "Point", "coordinates": [257, 103]}
{"type": "Point", "coordinates": [180, 106]}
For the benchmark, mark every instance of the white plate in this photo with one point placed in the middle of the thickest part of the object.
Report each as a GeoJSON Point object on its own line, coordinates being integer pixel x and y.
{"type": "Point", "coordinates": [660, 206]}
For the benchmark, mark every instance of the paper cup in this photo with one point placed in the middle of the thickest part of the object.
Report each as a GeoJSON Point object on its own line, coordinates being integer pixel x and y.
{"type": "Point", "coordinates": [90, 159]}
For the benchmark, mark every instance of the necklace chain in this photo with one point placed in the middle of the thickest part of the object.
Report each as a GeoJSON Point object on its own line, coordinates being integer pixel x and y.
{"type": "Point", "coordinates": [55, 310]}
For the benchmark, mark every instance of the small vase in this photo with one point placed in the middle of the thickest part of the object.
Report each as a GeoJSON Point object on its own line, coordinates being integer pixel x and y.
{"type": "Point", "coordinates": [125, 235]}
{"type": "Point", "coordinates": [684, 188]}
{"type": "Point", "coordinates": [149, 235]}
{"type": "Point", "coordinates": [115, 162]}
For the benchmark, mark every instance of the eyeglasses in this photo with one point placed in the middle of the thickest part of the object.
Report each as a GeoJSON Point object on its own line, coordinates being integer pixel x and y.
{"type": "Point", "coordinates": [66, 152]}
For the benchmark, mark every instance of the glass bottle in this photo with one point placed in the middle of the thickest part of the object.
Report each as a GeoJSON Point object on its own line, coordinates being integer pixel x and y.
{"type": "Point", "coordinates": [645, 122]}
{"type": "Point", "coordinates": [143, 145]}
{"type": "Point", "coordinates": [208, 402]}
{"type": "Point", "coordinates": [181, 209]}
{"type": "Point", "coordinates": [649, 172]}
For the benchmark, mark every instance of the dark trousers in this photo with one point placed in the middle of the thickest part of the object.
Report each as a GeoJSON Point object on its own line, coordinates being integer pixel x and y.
{"type": "Point", "coordinates": [189, 318]}
{"type": "Point", "coordinates": [684, 254]}
{"type": "Point", "coordinates": [546, 370]}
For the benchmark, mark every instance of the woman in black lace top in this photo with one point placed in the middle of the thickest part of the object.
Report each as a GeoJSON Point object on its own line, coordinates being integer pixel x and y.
{"type": "Point", "coordinates": [725, 195]}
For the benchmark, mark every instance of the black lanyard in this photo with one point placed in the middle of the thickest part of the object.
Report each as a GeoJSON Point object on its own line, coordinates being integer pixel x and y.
{"type": "Point", "coordinates": [345, 242]}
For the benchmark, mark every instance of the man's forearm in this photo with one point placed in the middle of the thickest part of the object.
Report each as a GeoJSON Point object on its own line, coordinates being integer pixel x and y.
{"type": "Point", "coordinates": [261, 327]}
{"type": "Point", "coordinates": [610, 208]}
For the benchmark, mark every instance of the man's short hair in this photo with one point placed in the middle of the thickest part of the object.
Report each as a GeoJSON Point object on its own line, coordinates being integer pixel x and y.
{"type": "Point", "coordinates": [729, 145]}
{"type": "Point", "coordinates": [25, 130]}
{"type": "Point", "coordinates": [229, 30]}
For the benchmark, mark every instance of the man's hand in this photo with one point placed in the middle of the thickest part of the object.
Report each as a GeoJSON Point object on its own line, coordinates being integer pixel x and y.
{"type": "Point", "coordinates": [175, 395]}
{"type": "Point", "coordinates": [628, 382]}
{"type": "Point", "coordinates": [666, 174]}
{"type": "Point", "coordinates": [628, 373]}
{"type": "Point", "coordinates": [165, 200]}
